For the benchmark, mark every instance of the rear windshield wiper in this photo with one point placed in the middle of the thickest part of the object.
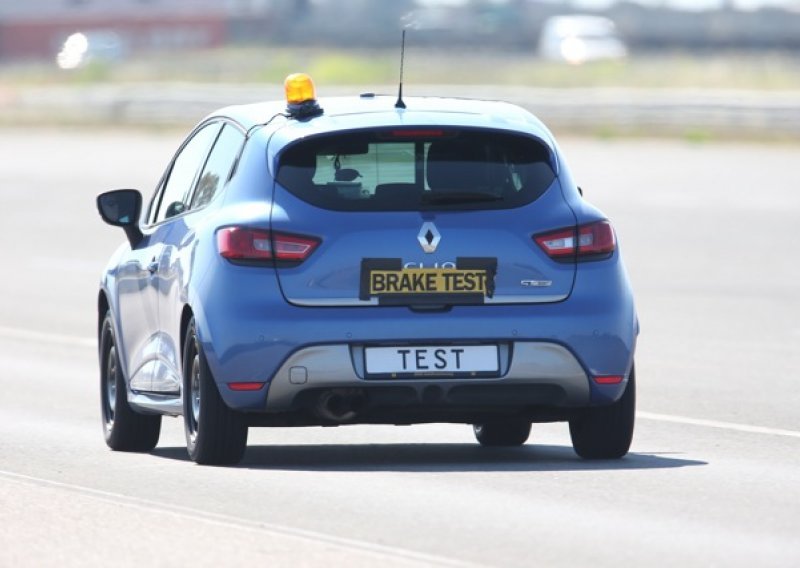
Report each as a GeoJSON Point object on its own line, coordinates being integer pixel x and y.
{"type": "Point", "coordinates": [434, 197]}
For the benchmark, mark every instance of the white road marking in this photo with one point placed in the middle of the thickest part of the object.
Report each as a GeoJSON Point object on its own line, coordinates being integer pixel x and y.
{"type": "Point", "coordinates": [44, 337]}
{"type": "Point", "coordinates": [718, 424]}
{"type": "Point", "coordinates": [240, 524]}
{"type": "Point", "coordinates": [27, 334]}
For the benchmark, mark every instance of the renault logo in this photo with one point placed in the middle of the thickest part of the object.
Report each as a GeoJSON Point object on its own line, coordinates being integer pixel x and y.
{"type": "Point", "coordinates": [429, 237]}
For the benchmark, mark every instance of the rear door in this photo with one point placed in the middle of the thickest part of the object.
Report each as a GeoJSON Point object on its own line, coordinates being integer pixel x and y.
{"type": "Point", "coordinates": [137, 288]}
{"type": "Point", "coordinates": [421, 217]}
{"type": "Point", "coordinates": [169, 204]}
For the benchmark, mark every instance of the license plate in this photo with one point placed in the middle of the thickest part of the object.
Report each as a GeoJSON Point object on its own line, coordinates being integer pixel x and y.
{"type": "Point", "coordinates": [469, 282]}
{"type": "Point", "coordinates": [434, 359]}
{"type": "Point", "coordinates": [427, 281]}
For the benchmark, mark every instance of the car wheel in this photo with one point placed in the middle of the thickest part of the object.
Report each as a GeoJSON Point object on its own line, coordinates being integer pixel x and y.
{"type": "Point", "coordinates": [215, 434]}
{"type": "Point", "coordinates": [502, 433]}
{"type": "Point", "coordinates": [125, 429]}
{"type": "Point", "coordinates": [605, 432]}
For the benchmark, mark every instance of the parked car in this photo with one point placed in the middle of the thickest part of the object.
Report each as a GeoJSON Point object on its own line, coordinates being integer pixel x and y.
{"type": "Point", "coordinates": [361, 261]}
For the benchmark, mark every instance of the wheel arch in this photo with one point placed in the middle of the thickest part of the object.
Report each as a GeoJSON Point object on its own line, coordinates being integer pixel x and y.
{"type": "Point", "coordinates": [105, 306]}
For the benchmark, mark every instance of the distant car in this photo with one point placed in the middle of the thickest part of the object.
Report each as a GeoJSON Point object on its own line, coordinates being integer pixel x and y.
{"type": "Point", "coordinates": [580, 38]}
{"type": "Point", "coordinates": [364, 263]}
{"type": "Point", "coordinates": [81, 48]}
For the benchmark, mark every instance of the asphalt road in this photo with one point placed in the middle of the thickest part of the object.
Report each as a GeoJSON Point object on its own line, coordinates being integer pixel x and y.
{"type": "Point", "coordinates": [710, 235]}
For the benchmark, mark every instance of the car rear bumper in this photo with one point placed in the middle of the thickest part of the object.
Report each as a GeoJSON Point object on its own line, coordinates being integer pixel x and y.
{"type": "Point", "coordinates": [537, 373]}
{"type": "Point", "coordinates": [327, 384]}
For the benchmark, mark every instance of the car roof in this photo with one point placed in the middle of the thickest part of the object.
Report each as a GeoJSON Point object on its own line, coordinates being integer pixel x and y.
{"type": "Point", "coordinates": [375, 111]}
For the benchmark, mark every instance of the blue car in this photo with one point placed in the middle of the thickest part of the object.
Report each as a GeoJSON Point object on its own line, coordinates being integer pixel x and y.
{"type": "Point", "coordinates": [362, 261]}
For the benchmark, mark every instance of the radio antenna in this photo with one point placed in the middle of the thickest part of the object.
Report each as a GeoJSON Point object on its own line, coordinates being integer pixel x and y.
{"type": "Point", "coordinates": [400, 103]}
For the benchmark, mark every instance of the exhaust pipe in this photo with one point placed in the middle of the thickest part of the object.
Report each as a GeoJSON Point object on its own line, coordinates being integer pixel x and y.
{"type": "Point", "coordinates": [340, 405]}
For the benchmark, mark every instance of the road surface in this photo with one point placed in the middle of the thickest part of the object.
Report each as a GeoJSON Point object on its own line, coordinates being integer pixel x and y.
{"type": "Point", "coordinates": [710, 235]}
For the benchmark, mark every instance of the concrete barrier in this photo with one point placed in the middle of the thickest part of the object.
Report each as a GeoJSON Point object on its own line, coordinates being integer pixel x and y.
{"type": "Point", "coordinates": [646, 111]}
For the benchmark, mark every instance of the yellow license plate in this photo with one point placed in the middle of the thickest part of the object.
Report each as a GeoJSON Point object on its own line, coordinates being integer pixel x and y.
{"type": "Point", "coordinates": [427, 281]}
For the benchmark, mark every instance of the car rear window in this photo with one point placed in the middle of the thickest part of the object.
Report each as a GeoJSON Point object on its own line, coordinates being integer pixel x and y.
{"type": "Point", "coordinates": [417, 169]}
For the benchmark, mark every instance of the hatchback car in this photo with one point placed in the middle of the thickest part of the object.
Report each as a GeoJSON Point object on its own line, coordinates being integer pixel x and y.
{"type": "Point", "coordinates": [360, 261]}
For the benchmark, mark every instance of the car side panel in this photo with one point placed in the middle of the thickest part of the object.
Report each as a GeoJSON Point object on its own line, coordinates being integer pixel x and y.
{"type": "Point", "coordinates": [190, 249]}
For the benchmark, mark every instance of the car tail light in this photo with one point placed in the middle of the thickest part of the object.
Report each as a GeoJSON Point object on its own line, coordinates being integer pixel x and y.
{"type": "Point", "coordinates": [558, 243]}
{"type": "Point", "coordinates": [243, 244]}
{"type": "Point", "coordinates": [417, 133]}
{"type": "Point", "coordinates": [592, 240]}
{"type": "Point", "coordinates": [596, 238]}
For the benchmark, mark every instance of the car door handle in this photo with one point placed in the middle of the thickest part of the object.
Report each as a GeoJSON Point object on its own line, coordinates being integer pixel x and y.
{"type": "Point", "coordinates": [152, 267]}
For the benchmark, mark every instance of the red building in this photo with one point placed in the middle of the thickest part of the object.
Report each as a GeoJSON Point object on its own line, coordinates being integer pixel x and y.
{"type": "Point", "coordinates": [36, 29]}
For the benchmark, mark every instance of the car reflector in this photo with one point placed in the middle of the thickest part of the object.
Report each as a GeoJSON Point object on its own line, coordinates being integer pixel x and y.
{"type": "Point", "coordinates": [609, 379]}
{"type": "Point", "coordinates": [245, 386]}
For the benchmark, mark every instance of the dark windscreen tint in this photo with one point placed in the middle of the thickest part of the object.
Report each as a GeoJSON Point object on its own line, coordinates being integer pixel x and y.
{"type": "Point", "coordinates": [407, 170]}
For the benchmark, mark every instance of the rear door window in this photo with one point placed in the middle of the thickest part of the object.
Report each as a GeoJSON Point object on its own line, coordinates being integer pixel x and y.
{"type": "Point", "coordinates": [219, 165]}
{"type": "Point", "coordinates": [417, 169]}
{"type": "Point", "coordinates": [172, 199]}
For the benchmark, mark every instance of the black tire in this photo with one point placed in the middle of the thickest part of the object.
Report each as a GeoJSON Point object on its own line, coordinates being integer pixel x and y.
{"type": "Point", "coordinates": [502, 433]}
{"type": "Point", "coordinates": [215, 434]}
{"type": "Point", "coordinates": [605, 432]}
{"type": "Point", "coordinates": [124, 429]}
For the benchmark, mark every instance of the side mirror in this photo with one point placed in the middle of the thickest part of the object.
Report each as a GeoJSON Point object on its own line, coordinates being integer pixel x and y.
{"type": "Point", "coordinates": [580, 190]}
{"type": "Point", "coordinates": [121, 208]}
